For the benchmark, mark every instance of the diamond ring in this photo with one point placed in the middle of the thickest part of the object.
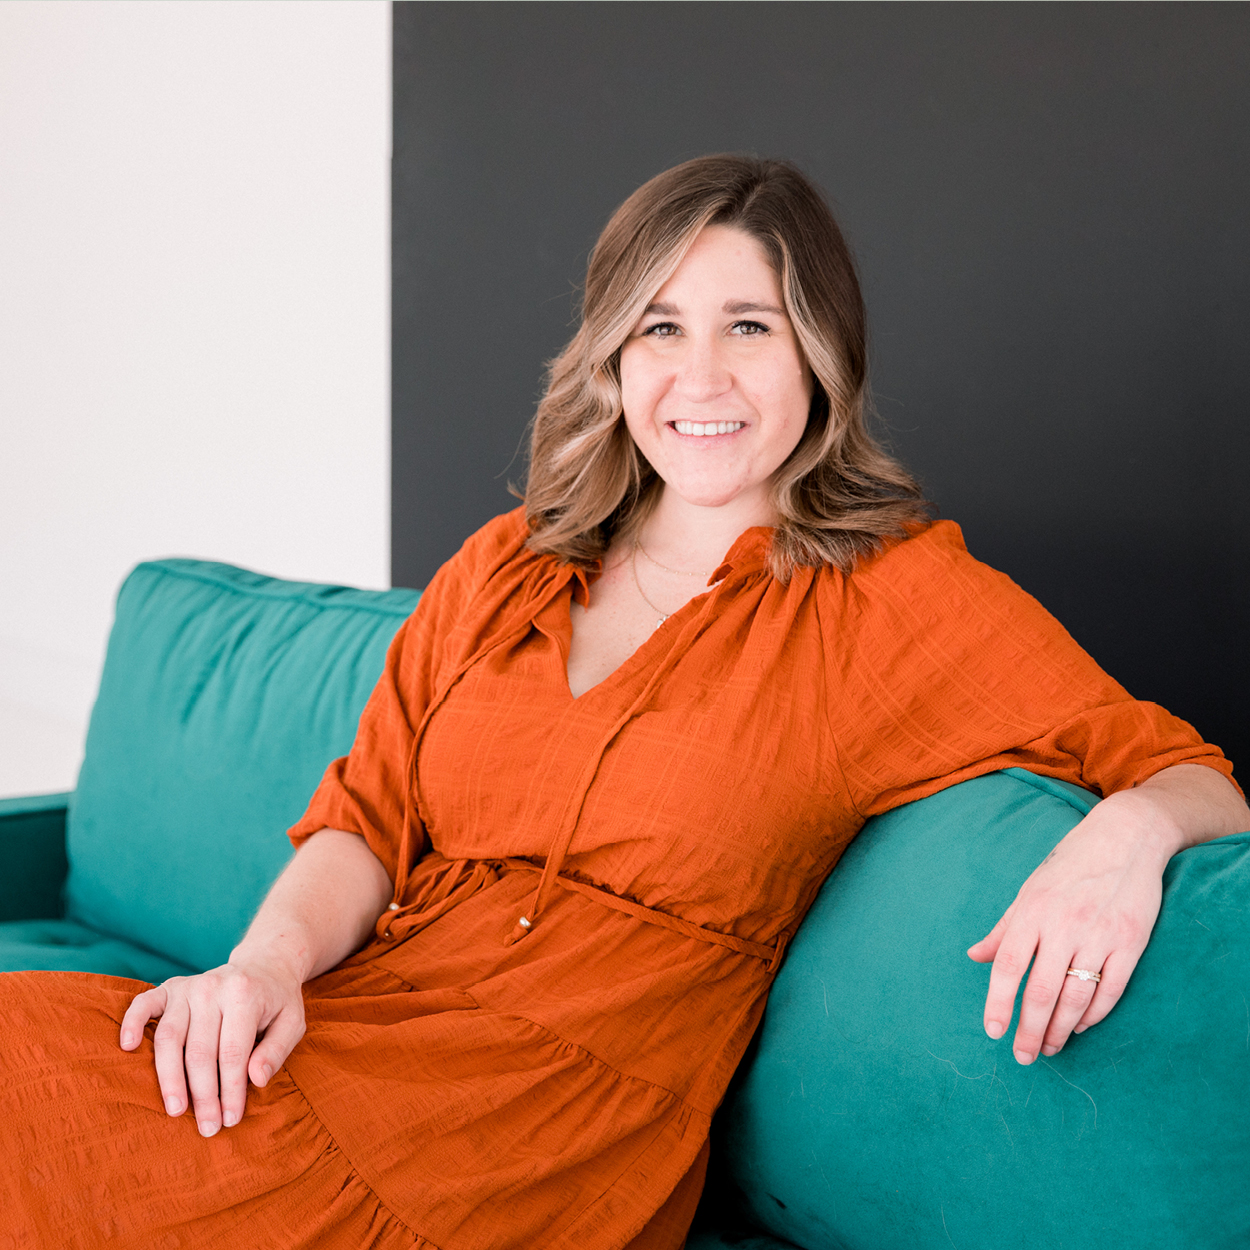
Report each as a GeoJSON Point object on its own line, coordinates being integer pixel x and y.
{"type": "Point", "coordinates": [1084, 974]}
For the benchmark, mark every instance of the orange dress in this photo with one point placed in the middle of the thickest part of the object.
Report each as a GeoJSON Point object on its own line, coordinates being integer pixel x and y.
{"type": "Point", "coordinates": [591, 898]}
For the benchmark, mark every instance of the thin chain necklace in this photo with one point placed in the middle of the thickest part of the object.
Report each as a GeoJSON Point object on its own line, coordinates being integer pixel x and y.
{"type": "Point", "coordinates": [680, 572]}
{"type": "Point", "coordinates": [633, 567]}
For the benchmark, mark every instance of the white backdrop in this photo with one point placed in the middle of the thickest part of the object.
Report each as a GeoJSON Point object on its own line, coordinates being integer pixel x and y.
{"type": "Point", "coordinates": [193, 319]}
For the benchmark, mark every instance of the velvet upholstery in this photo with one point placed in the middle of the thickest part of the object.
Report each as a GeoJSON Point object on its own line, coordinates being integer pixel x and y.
{"type": "Point", "coordinates": [872, 1113]}
{"type": "Point", "coordinates": [876, 1114]}
{"type": "Point", "coordinates": [224, 695]}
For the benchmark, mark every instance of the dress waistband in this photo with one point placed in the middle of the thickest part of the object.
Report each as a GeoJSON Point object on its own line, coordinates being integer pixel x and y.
{"type": "Point", "coordinates": [460, 879]}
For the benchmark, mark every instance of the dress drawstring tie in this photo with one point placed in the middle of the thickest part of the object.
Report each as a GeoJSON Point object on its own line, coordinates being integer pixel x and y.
{"type": "Point", "coordinates": [553, 878]}
{"type": "Point", "coordinates": [511, 633]}
{"type": "Point", "coordinates": [577, 799]}
{"type": "Point", "coordinates": [458, 880]}
{"type": "Point", "coordinates": [770, 953]}
{"type": "Point", "coordinates": [455, 881]}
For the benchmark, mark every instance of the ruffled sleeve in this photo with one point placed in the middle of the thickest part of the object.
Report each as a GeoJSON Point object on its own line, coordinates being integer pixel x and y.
{"type": "Point", "coordinates": [949, 670]}
{"type": "Point", "coordinates": [365, 792]}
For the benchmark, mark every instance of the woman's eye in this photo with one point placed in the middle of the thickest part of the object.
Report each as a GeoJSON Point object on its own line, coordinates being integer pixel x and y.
{"type": "Point", "coordinates": [661, 330]}
{"type": "Point", "coordinates": [749, 329]}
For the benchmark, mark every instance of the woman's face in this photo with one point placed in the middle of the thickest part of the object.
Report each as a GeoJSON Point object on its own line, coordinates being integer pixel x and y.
{"type": "Point", "coordinates": [716, 391]}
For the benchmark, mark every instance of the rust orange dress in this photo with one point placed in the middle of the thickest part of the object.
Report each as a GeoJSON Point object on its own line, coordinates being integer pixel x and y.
{"type": "Point", "coordinates": [591, 898]}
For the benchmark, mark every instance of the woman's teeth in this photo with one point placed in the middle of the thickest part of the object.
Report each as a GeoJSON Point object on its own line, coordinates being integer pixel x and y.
{"type": "Point", "coordinates": [702, 428]}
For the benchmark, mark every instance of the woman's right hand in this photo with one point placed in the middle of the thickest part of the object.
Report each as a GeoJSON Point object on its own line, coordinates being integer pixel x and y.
{"type": "Point", "coordinates": [243, 1019]}
{"type": "Point", "coordinates": [216, 1030]}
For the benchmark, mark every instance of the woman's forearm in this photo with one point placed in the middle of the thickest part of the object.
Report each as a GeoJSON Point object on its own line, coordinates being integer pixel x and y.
{"type": "Point", "coordinates": [321, 909]}
{"type": "Point", "coordinates": [1180, 807]}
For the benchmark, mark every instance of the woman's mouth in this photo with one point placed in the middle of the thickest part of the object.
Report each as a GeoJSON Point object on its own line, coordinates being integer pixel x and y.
{"type": "Point", "coordinates": [702, 429]}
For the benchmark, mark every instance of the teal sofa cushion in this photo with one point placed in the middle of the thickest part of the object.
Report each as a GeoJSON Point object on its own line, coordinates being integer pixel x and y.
{"type": "Point", "coordinates": [875, 1113]}
{"type": "Point", "coordinates": [32, 850]}
{"type": "Point", "coordinates": [61, 945]}
{"type": "Point", "coordinates": [224, 696]}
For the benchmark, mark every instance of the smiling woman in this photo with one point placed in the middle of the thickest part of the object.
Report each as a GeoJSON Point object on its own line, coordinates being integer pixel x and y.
{"type": "Point", "coordinates": [761, 234]}
{"type": "Point", "coordinates": [714, 385]}
{"type": "Point", "coordinates": [716, 395]}
{"type": "Point", "coordinates": [501, 989]}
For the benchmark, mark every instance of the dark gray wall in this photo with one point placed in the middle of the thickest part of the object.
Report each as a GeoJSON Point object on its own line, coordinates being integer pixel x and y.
{"type": "Point", "coordinates": [1051, 208]}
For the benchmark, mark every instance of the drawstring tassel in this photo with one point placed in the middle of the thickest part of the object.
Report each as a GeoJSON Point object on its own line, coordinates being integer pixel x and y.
{"type": "Point", "coordinates": [573, 812]}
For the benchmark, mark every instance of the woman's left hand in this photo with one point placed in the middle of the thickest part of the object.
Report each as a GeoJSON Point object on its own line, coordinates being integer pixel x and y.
{"type": "Point", "coordinates": [1092, 903]}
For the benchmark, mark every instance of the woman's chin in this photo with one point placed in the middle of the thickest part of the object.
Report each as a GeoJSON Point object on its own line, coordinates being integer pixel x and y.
{"type": "Point", "coordinates": [710, 495]}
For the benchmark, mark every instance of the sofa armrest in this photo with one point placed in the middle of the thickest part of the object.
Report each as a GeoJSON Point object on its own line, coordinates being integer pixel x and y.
{"type": "Point", "coordinates": [33, 864]}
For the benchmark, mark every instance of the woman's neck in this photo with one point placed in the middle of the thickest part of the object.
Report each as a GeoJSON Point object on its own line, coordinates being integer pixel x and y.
{"type": "Point", "coordinates": [691, 538]}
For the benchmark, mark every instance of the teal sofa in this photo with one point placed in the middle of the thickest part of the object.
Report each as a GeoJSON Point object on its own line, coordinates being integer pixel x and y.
{"type": "Point", "coordinates": [872, 1112]}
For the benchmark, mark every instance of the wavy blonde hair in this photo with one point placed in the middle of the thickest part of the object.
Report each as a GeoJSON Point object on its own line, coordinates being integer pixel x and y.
{"type": "Point", "coordinates": [838, 495]}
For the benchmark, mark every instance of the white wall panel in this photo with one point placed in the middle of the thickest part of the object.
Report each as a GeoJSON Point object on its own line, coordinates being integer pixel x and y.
{"type": "Point", "coordinates": [193, 319]}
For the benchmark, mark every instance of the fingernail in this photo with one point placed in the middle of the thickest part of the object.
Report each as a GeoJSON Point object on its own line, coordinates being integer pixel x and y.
{"type": "Point", "coordinates": [265, 1074]}
{"type": "Point", "coordinates": [128, 1040]}
{"type": "Point", "coordinates": [1050, 1050]}
{"type": "Point", "coordinates": [1080, 1028]}
{"type": "Point", "coordinates": [207, 1127]}
{"type": "Point", "coordinates": [174, 1105]}
{"type": "Point", "coordinates": [229, 1119]}
{"type": "Point", "coordinates": [1022, 1056]}
{"type": "Point", "coordinates": [994, 1029]}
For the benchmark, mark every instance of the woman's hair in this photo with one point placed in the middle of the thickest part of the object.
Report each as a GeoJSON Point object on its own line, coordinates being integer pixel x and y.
{"type": "Point", "coordinates": [838, 495]}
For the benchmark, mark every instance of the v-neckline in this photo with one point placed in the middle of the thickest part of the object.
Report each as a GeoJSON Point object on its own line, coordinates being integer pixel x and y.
{"type": "Point", "coordinates": [563, 637]}
{"type": "Point", "coordinates": [750, 547]}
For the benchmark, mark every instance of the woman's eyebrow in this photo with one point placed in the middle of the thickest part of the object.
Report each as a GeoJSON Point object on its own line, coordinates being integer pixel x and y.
{"type": "Point", "coordinates": [734, 307]}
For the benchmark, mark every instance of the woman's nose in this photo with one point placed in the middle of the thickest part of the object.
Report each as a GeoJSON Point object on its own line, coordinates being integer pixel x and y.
{"type": "Point", "coordinates": [704, 373]}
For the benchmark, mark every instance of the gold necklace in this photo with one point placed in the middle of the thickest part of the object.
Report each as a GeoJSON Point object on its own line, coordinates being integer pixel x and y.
{"type": "Point", "coordinates": [680, 572]}
{"type": "Point", "coordinates": [633, 566]}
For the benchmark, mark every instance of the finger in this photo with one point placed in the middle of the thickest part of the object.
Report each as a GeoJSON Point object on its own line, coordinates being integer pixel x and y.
{"type": "Point", "coordinates": [985, 950]}
{"type": "Point", "coordinates": [171, 1035]}
{"type": "Point", "coordinates": [1037, 1004]}
{"type": "Point", "coordinates": [1010, 962]}
{"type": "Point", "coordinates": [150, 1005]}
{"type": "Point", "coordinates": [1116, 971]}
{"type": "Point", "coordinates": [1074, 999]}
{"type": "Point", "coordinates": [280, 1039]}
{"type": "Point", "coordinates": [238, 1037]}
{"type": "Point", "coordinates": [200, 1058]}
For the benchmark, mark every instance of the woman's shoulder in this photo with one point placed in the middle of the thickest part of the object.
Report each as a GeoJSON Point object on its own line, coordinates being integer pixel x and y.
{"type": "Point", "coordinates": [929, 557]}
{"type": "Point", "coordinates": [931, 545]}
{"type": "Point", "coordinates": [928, 581]}
{"type": "Point", "coordinates": [502, 536]}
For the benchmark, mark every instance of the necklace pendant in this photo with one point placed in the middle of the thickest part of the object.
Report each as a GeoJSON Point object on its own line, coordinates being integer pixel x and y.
{"type": "Point", "coordinates": [661, 621]}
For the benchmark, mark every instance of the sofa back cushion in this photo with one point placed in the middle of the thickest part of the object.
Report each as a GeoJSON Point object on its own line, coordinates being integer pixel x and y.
{"type": "Point", "coordinates": [877, 1114]}
{"type": "Point", "coordinates": [224, 696]}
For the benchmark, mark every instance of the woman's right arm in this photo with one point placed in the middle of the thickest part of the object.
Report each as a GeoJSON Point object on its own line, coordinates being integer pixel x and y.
{"type": "Point", "coordinates": [244, 1018]}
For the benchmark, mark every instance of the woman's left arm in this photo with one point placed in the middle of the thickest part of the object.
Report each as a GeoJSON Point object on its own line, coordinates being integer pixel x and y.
{"type": "Point", "coordinates": [1092, 903]}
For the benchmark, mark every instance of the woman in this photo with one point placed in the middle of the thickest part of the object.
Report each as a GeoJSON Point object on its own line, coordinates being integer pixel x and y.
{"type": "Point", "coordinates": [500, 990]}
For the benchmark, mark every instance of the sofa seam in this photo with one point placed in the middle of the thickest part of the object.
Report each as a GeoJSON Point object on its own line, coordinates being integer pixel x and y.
{"type": "Point", "coordinates": [1033, 780]}
{"type": "Point", "coordinates": [256, 593]}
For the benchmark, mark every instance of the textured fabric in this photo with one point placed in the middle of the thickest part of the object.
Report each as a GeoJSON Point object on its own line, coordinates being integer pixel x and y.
{"type": "Point", "coordinates": [100, 1164]}
{"type": "Point", "coordinates": [876, 1113]}
{"type": "Point", "coordinates": [497, 1086]}
{"type": "Point", "coordinates": [223, 694]}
